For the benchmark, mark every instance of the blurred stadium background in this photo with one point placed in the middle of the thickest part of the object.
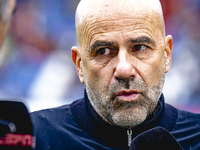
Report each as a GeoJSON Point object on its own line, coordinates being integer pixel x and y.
{"type": "Point", "coordinates": [35, 60]}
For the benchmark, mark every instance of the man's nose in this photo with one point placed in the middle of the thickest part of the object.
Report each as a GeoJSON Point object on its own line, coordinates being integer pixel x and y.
{"type": "Point", "coordinates": [125, 66]}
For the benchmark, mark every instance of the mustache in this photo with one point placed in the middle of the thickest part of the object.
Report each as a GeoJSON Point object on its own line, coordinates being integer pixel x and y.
{"type": "Point", "coordinates": [128, 84]}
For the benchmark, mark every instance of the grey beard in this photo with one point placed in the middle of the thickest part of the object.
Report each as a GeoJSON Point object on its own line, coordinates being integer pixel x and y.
{"type": "Point", "coordinates": [111, 109]}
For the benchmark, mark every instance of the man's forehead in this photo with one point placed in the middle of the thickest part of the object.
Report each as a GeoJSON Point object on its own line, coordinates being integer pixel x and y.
{"type": "Point", "coordinates": [91, 12]}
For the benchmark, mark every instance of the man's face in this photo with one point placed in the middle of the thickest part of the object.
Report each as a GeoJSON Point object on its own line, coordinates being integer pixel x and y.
{"type": "Point", "coordinates": [123, 65]}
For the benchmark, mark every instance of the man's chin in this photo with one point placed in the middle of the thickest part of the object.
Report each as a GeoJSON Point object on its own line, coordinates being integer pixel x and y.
{"type": "Point", "coordinates": [129, 117]}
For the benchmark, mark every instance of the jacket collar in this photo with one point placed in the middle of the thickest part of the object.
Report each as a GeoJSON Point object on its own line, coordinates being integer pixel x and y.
{"type": "Point", "coordinates": [102, 132]}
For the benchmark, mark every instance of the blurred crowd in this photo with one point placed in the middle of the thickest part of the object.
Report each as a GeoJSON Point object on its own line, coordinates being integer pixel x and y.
{"type": "Point", "coordinates": [35, 61]}
{"type": "Point", "coordinates": [182, 87]}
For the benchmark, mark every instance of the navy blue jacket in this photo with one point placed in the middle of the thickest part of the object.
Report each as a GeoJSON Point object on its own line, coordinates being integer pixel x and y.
{"type": "Point", "coordinates": [78, 127]}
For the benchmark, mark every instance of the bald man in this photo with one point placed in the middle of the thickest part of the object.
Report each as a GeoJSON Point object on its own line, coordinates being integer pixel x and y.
{"type": "Point", "coordinates": [122, 57]}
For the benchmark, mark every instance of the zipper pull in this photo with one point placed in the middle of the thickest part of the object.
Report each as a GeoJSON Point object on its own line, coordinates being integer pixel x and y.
{"type": "Point", "coordinates": [129, 133]}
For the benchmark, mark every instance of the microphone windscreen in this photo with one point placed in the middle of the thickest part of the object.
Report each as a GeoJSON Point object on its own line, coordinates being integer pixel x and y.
{"type": "Point", "coordinates": [156, 138]}
{"type": "Point", "coordinates": [16, 131]}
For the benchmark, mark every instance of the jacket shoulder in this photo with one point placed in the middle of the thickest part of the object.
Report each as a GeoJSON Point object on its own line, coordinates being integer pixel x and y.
{"type": "Point", "coordinates": [52, 128]}
{"type": "Point", "coordinates": [56, 129]}
{"type": "Point", "coordinates": [50, 115]}
{"type": "Point", "coordinates": [187, 129]}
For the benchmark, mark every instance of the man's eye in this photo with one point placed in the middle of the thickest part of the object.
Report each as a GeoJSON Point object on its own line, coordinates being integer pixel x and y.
{"type": "Point", "coordinates": [104, 51]}
{"type": "Point", "coordinates": [139, 47]}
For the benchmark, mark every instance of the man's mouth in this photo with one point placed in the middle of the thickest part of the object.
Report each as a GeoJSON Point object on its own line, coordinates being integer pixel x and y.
{"type": "Point", "coordinates": [128, 96]}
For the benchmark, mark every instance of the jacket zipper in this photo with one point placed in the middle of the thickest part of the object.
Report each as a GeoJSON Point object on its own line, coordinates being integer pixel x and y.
{"type": "Point", "coordinates": [129, 134]}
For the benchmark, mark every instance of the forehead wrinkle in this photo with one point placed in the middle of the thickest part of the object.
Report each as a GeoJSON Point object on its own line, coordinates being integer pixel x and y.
{"type": "Point", "coordinates": [93, 29]}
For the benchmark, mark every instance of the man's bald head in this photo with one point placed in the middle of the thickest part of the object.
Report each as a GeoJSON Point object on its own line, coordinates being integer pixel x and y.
{"type": "Point", "coordinates": [90, 11]}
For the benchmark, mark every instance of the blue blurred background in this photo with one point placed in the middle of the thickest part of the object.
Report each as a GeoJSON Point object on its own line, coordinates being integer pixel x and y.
{"type": "Point", "coordinates": [35, 60]}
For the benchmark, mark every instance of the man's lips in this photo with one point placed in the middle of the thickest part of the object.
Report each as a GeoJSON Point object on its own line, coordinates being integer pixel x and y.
{"type": "Point", "coordinates": [128, 96]}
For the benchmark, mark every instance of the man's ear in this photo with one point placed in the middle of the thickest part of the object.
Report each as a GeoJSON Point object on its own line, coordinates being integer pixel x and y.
{"type": "Point", "coordinates": [76, 58]}
{"type": "Point", "coordinates": [168, 51]}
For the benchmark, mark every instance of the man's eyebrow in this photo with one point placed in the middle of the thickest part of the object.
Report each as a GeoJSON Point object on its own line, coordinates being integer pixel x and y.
{"type": "Point", "coordinates": [97, 44]}
{"type": "Point", "coordinates": [142, 39]}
